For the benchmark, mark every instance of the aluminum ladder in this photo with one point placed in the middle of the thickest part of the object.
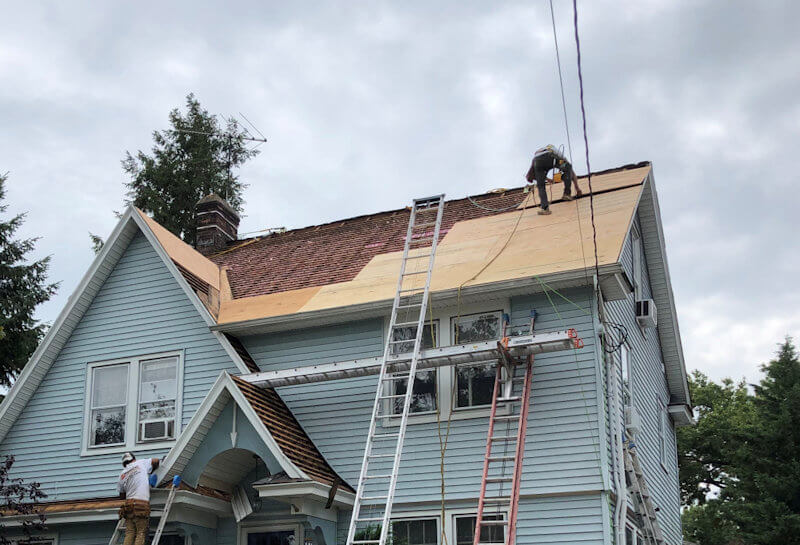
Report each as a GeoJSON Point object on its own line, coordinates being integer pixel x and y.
{"type": "Point", "coordinates": [120, 528]}
{"type": "Point", "coordinates": [369, 524]}
{"type": "Point", "coordinates": [642, 502]}
{"type": "Point", "coordinates": [508, 422]}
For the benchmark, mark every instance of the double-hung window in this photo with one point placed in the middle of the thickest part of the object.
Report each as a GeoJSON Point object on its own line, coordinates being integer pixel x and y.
{"type": "Point", "coordinates": [415, 532]}
{"type": "Point", "coordinates": [490, 533]}
{"type": "Point", "coordinates": [424, 397]}
{"type": "Point", "coordinates": [133, 402]}
{"type": "Point", "coordinates": [475, 383]}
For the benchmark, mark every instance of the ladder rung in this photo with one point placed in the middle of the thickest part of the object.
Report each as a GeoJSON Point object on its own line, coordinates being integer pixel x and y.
{"type": "Point", "coordinates": [503, 438]}
{"type": "Point", "coordinates": [384, 435]}
{"type": "Point", "coordinates": [369, 519]}
{"type": "Point", "coordinates": [498, 479]}
{"type": "Point", "coordinates": [381, 455]}
{"type": "Point", "coordinates": [409, 290]}
{"type": "Point", "coordinates": [394, 396]}
{"type": "Point", "coordinates": [406, 324]}
{"type": "Point", "coordinates": [421, 256]}
{"type": "Point", "coordinates": [497, 499]}
{"type": "Point", "coordinates": [371, 498]}
{"type": "Point", "coordinates": [420, 240]}
{"type": "Point", "coordinates": [415, 273]}
{"type": "Point", "coordinates": [507, 417]}
{"type": "Point", "coordinates": [366, 541]}
{"type": "Point", "coordinates": [412, 305]}
{"type": "Point", "coordinates": [379, 476]}
{"type": "Point", "coordinates": [508, 399]}
{"type": "Point", "coordinates": [396, 377]}
{"type": "Point", "coordinates": [501, 459]}
{"type": "Point", "coordinates": [494, 522]}
{"type": "Point", "coordinates": [422, 225]}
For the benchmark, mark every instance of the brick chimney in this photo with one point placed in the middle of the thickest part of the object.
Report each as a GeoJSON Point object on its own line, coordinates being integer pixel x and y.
{"type": "Point", "coordinates": [217, 224]}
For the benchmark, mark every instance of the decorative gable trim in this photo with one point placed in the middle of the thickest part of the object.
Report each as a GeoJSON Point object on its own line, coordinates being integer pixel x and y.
{"type": "Point", "coordinates": [78, 303]}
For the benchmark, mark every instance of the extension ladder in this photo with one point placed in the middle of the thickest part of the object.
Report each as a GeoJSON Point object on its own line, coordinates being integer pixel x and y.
{"type": "Point", "coordinates": [642, 502]}
{"type": "Point", "coordinates": [510, 404]}
{"type": "Point", "coordinates": [120, 528]}
{"type": "Point", "coordinates": [376, 486]}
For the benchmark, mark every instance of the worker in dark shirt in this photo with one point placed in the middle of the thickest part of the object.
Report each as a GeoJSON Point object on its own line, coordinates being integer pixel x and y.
{"type": "Point", "coordinates": [544, 160]}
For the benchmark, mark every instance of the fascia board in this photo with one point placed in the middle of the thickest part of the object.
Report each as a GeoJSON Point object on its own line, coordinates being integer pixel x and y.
{"type": "Point", "coordinates": [70, 310]}
{"type": "Point", "coordinates": [187, 289]}
{"type": "Point", "coordinates": [443, 298]}
{"type": "Point", "coordinates": [306, 488]}
{"type": "Point", "coordinates": [225, 384]}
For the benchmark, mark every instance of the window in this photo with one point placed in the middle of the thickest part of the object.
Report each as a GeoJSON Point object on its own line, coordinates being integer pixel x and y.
{"type": "Point", "coordinates": [415, 532]}
{"type": "Point", "coordinates": [158, 393]}
{"type": "Point", "coordinates": [663, 426]}
{"type": "Point", "coordinates": [132, 402]}
{"type": "Point", "coordinates": [636, 248]}
{"type": "Point", "coordinates": [424, 397]}
{"type": "Point", "coordinates": [475, 383]}
{"type": "Point", "coordinates": [465, 530]}
{"type": "Point", "coordinates": [109, 404]}
{"type": "Point", "coordinates": [625, 363]}
{"type": "Point", "coordinates": [34, 541]}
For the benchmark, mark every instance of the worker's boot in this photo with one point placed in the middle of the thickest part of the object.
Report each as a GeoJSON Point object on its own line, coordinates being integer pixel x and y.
{"type": "Point", "coordinates": [543, 212]}
{"type": "Point", "coordinates": [567, 197]}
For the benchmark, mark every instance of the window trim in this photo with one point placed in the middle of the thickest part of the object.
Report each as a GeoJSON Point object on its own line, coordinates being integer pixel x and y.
{"type": "Point", "coordinates": [15, 539]}
{"type": "Point", "coordinates": [410, 518]}
{"type": "Point", "coordinates": [662, 434]}
{"type": "Point", "coordinates": [454, 371]}
{"type": "Point", "coordinates": [391, 387]}
{"type": "Point", "coordinates": [132, 405]}
{"type": "Point", "coordinates": [626, 367]}
{"type": "Point", "coordinates": [258, 527]}
{"type": "Point", "coordinates": [456, 516]}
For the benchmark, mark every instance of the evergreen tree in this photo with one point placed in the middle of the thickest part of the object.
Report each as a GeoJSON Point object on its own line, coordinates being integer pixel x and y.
{"type": "Point", "coordinates": [195, 157]}
{"type": "Point", "coordinates": [23, 286]}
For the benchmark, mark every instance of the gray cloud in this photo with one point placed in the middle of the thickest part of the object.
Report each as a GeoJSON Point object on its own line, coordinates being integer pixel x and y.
{"type": "Point", "coordinates": [369, 105]}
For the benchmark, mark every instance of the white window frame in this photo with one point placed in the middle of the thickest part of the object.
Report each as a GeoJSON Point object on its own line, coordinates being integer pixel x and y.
{"type": "Point", "coordinates": [261, 527]}
{"type": "Point", "coordinates": [410, 518]}
{"type": "Point", "coordinates": [391, 386]}
{"type": "Point", "coordinates": [445, 377]}
{"type": "Point", "coordinates": [663, 425]}
{"type": "Point", "coordinates": [454, 370]}
{"type": "Point", "coordinates": [132, 406]}
{"type": "Point", "coordinates": [473, 514]}
{"type": "Point", "coordinates": [626, 366]}
{"type": "Point", "coordinates": [636, 250]}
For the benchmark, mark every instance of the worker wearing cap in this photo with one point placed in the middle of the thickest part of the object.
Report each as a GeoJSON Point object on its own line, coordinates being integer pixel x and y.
{"type": "Point", "coordinates": [134, 488]}
{"type": "Point", "coordinates": [544, 160]}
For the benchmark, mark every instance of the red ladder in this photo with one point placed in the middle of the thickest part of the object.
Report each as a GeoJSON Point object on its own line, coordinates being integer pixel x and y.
{"type": "Point", "coordinates": [506, 394]}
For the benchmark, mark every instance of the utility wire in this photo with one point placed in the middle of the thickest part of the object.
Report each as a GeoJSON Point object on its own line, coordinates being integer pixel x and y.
{"type": "Point", "coordinates": [561, 81]}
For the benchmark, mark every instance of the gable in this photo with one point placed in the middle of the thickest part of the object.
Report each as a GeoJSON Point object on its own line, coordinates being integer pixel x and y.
{"type": "Point", "coordinates": [131, 304]}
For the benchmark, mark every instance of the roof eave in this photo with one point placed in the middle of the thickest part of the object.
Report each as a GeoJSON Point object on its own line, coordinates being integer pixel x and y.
{"type": "Point", "coordinates": [373, 309]}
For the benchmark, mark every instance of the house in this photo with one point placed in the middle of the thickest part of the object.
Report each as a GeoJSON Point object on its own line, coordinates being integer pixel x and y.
{"type": "Point", "coordinates": [156, 351]}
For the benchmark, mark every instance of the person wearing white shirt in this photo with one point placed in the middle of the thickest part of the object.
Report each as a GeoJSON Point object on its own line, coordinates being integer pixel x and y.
{"type": "Point", "coordinates": [134, 488]}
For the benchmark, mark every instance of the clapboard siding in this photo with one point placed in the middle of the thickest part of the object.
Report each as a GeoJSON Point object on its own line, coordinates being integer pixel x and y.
{"type": "Point", "coordinates": [563, 444]}
{"type": "Point", "coordinates": [650, 395]}
{"type": "Point", "coordinates": [140, 309]}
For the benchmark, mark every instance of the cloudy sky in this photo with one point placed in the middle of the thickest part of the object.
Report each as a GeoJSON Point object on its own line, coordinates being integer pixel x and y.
{"type": "Point", "coordinates": [371, 105]}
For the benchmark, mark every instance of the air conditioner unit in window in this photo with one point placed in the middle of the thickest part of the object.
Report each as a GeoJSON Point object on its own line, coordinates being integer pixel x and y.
{"type": "Point", "coordinates": [150, 430]}
{"type": "Point", "coordinates": [633, 422]}
{"type": "Point", "coordinates": [646, 313]}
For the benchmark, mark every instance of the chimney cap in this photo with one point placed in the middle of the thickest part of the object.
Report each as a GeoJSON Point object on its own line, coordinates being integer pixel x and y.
{"type": "Point", "coordinates": [214, 198]}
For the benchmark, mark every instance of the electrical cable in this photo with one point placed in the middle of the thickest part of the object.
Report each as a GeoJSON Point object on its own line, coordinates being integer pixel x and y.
{"type": "Point", "coordinates": [504, 209]}
{"type": "Point", "coordinates": [561, 81]}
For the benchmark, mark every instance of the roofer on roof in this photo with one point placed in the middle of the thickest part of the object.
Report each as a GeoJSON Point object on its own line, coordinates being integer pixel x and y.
{"type": "Point", "coordinates": [544, 160]}
{"type": "Point", "coordinates": [134, 488]}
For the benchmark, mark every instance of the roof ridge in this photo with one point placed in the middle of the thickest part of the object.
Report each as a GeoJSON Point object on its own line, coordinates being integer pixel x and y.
{"type": "Point", "coordinates": [240, 243]}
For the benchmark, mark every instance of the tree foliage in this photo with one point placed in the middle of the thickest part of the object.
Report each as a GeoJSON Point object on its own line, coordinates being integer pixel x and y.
{"type": "Point", "coordinates": [740, 466]}
{"type": "Point", "coordinates": [23, 286]}
{"type": "Point", "coordinates": [18, 498]}
{"type": "Point", "coordinates": [196, 156]}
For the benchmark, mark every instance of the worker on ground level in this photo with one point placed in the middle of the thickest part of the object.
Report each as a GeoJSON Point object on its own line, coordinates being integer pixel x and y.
{"type": "Point", "coordinates": [544, 160]}
{"type": "Point", "coordinates": [134, 488]}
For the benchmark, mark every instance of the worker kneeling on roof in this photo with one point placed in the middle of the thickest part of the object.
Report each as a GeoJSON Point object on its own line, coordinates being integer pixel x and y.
{"type": "Point", "coordinates": [134, 488]}
{"type": "Point", "coordinates": [544, 160]}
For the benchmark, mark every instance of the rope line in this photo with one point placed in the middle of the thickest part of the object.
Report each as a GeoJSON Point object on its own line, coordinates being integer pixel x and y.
{"type": "Point", "coordinates": [561, 81]}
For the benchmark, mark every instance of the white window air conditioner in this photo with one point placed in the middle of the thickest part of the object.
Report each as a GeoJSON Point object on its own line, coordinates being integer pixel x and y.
{"type": "Point", "coordinates": [646, 314]}
{"type": "Point", "coordinates": [633, 421]}
{"type": "Point", "coordinates": [151, 430]}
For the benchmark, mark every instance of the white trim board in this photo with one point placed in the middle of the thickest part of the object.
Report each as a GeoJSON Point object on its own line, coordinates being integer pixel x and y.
{"type": "Point", "coordinates": [78, 303]}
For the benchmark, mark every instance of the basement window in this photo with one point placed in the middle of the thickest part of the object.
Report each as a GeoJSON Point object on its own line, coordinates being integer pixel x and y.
{"type": "Point", "coordinates": [475, 383]}
{"type": "Point", "coordinates": [132, 402]}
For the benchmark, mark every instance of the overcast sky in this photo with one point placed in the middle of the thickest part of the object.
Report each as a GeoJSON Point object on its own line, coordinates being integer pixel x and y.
{"type": "Point", "coordinates": [370, 106]}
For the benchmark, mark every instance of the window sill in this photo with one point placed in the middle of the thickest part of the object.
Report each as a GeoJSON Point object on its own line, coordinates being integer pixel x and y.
{"type": "Point", "coordinates": [119, 449]}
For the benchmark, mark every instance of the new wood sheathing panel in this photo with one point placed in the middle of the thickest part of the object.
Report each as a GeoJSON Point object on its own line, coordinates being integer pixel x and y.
{"type": "Point", "coordinates": [183, 254]}
{"type": "Point", "coordinates": [540, 245]}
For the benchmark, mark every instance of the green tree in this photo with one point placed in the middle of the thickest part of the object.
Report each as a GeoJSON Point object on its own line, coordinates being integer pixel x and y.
{"type": "Point", "coordinates": [23, 286]}
{"type": "Point", "coordinates": [196, 156]}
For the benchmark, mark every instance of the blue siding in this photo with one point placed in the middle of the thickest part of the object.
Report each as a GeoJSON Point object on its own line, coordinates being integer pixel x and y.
{"type": "Point", "coordinates": [140, 309]}
{"type": "Point", "coordinates": [562, 450]}
{"type": "Point", "coordinates": [650, 394]}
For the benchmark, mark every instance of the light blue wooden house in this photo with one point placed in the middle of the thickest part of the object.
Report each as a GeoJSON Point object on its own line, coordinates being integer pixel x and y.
{"type": "Point", "coordinates": [157, 349]}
